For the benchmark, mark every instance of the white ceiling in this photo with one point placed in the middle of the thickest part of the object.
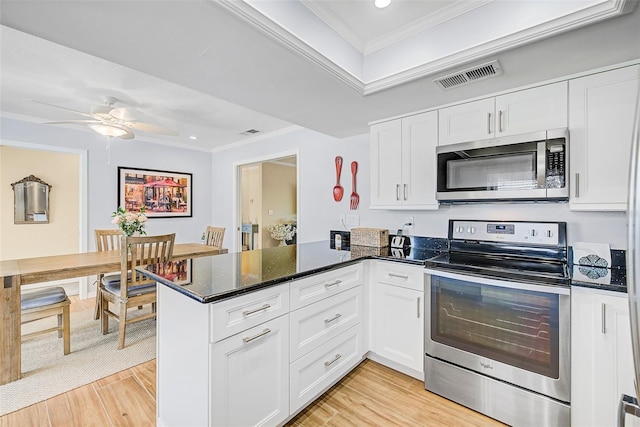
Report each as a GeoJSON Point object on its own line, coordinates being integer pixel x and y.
{"type": "Point", "coordinates": [218, 68]}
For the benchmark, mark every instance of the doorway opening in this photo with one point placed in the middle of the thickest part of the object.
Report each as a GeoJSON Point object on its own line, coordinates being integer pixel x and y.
{"type": "Point", "coordinates": [268, 201]}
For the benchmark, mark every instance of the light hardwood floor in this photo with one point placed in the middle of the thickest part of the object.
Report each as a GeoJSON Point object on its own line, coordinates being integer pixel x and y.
{"type": "Point", "coordinates": [371, 395]}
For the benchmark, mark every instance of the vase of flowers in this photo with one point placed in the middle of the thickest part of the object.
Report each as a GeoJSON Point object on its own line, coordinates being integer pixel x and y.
{"type": "Point", "coordinates": [131, 223]}
{"type": "Point", "coordinates": [282, 232]}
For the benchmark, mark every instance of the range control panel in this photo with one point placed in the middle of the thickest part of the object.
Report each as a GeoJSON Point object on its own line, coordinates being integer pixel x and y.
{"type": "Point", "coordinates": [539, 233]}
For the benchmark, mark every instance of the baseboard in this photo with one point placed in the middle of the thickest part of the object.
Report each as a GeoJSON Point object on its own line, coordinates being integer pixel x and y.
{"type": "Point", "coordinates": [395, 365]}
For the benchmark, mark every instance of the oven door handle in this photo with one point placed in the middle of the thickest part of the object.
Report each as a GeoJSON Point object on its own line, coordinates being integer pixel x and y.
{"type": "Point", "coordinates": [558, 290]}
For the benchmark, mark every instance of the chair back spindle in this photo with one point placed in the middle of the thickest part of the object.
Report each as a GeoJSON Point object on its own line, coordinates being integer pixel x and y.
{"type": "Point", "coordinates": [214, 236]}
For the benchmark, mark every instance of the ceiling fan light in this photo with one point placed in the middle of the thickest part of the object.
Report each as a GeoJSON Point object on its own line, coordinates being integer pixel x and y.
{"type": "Point", "coordinates": [380, 4]}
{"type": "Point", "coordinates": [108, 130]}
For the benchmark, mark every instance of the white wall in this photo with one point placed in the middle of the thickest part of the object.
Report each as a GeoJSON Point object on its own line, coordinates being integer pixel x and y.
{"type": "Point", "coordinates": [319, 213]}
{"type": "Point", "coordinates": [102, 180]}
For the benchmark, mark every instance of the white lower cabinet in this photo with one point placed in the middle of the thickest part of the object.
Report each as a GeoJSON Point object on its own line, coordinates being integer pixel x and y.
{"type": "Point", "coordinates": [601, 359]}
{"type": "Point", "coordinates": [397, 316]}
{"type": "Point", "coordinates": [250, 376]}
{"type": "Point", "coordinates": [316, 371]}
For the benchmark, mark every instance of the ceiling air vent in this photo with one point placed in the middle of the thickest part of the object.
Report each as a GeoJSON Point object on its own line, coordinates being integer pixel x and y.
{"type": "Point", "coordinates": [249, 132]}
{"type": "Point", "coordinates": [480, 72]}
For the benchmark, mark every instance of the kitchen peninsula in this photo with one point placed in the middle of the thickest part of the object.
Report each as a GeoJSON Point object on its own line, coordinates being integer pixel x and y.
{"type": "Point", "coordinates": [258, 335]}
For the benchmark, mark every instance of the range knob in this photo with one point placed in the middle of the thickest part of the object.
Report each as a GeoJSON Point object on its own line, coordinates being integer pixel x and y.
{"type": "Point", "coordinates": [534, 232]}
{"type": "Point", "coordinates": [460, 229]}
{"type": "Point", "coordinates": [471, 230]}
{"type": "Point", "coordinates": [549, 233]}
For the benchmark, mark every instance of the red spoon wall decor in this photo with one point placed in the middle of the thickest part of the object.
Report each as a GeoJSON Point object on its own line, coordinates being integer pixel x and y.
{"type": "Point", "coordinates": [338, 191]}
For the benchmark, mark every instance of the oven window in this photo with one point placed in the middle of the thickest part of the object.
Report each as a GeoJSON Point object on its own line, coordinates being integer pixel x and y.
{"type": "Point", "coordinates": [516, 327]}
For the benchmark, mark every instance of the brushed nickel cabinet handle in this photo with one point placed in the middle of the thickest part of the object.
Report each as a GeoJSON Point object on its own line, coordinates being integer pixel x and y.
{"type": "Point", "coordinates": [328, 285]}
{"type": "Point", "coordinates": [500, 121]}
{"type": "Point", "coordinates": [336, 317]}
{"type": "Point", "coordinates": [329, 363]}
{"type": "Point", "coordinates": [405, 191]}
{"type": "Point", "coordinates": [261, 334]}
{"type": "Point", "coordinates": [603, 308]}
{"type": "Point", "coordinates": [248, 312]}
{"type": "Point", "coordinates": [489, 123]}
{"type": "Point", "coordinates": [401, 276]}
{"type": "Point", "coordinates": [397, 191]}
{"type": "Point", "coordinates": [577, 185]}
{"type": "Point", "coordinates": [418, 305]}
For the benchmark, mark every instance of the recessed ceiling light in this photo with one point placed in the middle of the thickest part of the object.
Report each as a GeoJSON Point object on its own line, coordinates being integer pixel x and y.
{"type": "Point", "coordinates": [382, 3]}
{"type": "Point", "coordinates": [193, 137]}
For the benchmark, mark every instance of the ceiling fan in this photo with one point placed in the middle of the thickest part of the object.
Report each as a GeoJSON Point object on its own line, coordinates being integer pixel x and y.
{"type": "Point", "coordinates": [111, 121]}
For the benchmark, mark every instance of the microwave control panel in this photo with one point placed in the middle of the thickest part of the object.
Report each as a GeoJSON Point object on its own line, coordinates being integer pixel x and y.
{"type": "Point", "coordinates": [539, 233]}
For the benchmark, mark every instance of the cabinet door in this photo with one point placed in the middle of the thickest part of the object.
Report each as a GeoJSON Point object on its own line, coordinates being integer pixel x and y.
{"type": "Point", "coordinates": [532, 110]}
{"type": "Point", "coordinates": [419, 142]}
{"type": "Point", "coordinates": [398, 325]}
{"type": "Point", "coordinates": [386, 163]}
{"type": "Point", "coordinates": [601, 115]}
{"type": "Point", "coordinates": [466, 122]}
{"type": "Point", "coordinates": [601, 358]}
{"type": "Point", "coordinates": [250, 376]}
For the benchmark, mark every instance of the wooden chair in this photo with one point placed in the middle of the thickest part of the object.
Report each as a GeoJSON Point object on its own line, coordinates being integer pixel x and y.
{"type": "Point", "coordinates": [214, 236]}
{"type": "Point", "coordinates": [106, 240]}
{"type": "Point", "coordinates": [137, 289]}
{"type": "Point", "coordinates": [47, 302]}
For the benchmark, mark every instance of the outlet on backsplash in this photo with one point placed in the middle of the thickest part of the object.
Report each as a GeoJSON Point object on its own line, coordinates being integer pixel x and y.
{"type": "Point", "coordinates": [353, 219]}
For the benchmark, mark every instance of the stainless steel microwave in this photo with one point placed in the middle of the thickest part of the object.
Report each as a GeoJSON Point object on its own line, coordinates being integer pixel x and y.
{"type": "Point", "coordinates": [525, 167]}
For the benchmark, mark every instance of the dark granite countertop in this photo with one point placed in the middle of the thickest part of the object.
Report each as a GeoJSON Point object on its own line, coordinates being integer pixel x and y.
{"type": "Point", "coordinates": [218, 277]}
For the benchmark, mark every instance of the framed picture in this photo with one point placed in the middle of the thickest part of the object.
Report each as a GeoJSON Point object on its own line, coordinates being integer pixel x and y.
{"type": "Point", "coordinates": [163, 193]}
{"type": "Point", "coordinates": [179, 272]}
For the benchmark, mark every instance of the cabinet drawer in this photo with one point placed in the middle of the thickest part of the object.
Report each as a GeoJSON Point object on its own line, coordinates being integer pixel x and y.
{"type": "Point", "coordinates": [246, 311]}
{"type": "Point", "coordinates": [315, 324]}
{"type": "Point", "coordinates": [395, 273]}
{"type": "Point", "coordinates": [317, 287]}
{"type": "Point", "coordinates": [316, 371]}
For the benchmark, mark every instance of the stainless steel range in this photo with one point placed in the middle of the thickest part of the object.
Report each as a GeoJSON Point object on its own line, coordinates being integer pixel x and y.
{"type": "Point", "coordinates": [497, 339]}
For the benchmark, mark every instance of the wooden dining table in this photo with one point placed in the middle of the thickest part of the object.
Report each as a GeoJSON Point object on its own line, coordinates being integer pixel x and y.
{"type": "Point", "coordinates": [18, 272]}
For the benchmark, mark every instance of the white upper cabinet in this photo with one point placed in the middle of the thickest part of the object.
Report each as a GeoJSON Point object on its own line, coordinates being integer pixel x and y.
{"type": "Point", "coordinates": [403, 162]}
{"type": "Point", "coordinates": [528, 110]}
{"type": "Point", "coordinates": [601, 114]}
{"type": "Point", "coordinates": [467, 122]}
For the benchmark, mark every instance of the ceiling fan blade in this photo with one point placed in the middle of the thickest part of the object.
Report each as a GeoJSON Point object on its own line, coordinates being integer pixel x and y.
{"type": "Point", "coordinates": [73, 122]}
{"type": "Point", "coordinates": [58, 106]}
{"type": "Point", "coordinates": [150, 128]}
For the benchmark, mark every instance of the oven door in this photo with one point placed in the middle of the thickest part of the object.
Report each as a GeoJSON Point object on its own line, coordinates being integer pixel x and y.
{"type": "Point", "coordinates": [514, 332]}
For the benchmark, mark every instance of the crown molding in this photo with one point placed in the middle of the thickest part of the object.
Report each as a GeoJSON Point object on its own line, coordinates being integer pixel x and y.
{"type": "Point", "coordinates": [275, 32]}
{"type": "Point", "coordinates": [443, 15]}
{"type": "Point", "coordinates": [336, 24]}
{"type": "Point", "coordinates": [257, 20]}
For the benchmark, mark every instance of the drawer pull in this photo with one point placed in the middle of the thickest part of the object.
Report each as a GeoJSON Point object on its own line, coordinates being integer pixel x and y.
{"type": "Point", "coordinates": [248, 312]}
{"type": "Point", "coordinates": [603, 309]}
{"type": "Point", "coordinates": [418, 307]}
{"type": "Point", "coordinates": [329, 363]}
{"type": "Point", "coordinates": [336, 317]}
{"type": "Point", "coordinates": [261, 334]}
{"type": "Point", "coordinates": [328, 285]}
{"type": "Point", "coordinates": [401, 276]}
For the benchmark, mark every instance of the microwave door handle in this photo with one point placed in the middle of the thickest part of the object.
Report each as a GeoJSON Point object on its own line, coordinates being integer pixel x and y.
{"type": "Point", "coordinates": [541, 164]}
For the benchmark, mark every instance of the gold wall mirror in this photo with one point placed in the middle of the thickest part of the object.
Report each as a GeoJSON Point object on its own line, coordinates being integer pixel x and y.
{"type": "Point", "coordinates": [31, 201]}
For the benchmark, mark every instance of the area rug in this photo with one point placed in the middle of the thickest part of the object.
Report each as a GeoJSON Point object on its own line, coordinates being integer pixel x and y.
{"type": "Point", "coordinates": [46, 372]}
